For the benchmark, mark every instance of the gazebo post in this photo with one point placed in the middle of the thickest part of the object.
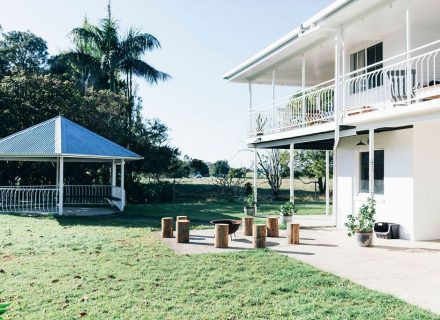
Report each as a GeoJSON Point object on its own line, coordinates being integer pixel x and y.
{"type": "Point", "coordinates": [57, 179]}
{"type": "Point", "coordinates": [61, 186]}
{"type": "Point", "coordinates": [122, 183]}
{"type": "Point", "coordinates": [113, 176]}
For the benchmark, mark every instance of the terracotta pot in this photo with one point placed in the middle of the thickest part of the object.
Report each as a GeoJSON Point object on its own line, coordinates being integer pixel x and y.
{"type": "Point", "coordinates": [285, 219]}
{"type": "Point", "coordinates": [249, 211]}
{"type": "Point", "coordinates": [364, 239]}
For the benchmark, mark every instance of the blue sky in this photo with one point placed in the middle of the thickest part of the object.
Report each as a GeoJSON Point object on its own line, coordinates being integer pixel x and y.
{"type": "Point", "coordinates": [201, 40]}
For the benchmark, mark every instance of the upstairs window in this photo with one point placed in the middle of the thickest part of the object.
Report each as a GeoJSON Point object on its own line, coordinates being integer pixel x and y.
{"type": "Point", "coordinates": [372, 56]}
{"type": "Point", "coordinates": [364, 172]}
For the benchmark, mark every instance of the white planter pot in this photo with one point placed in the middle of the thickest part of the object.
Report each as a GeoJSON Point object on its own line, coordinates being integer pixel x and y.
{"type": "Point", "coordinates": [249, 211]}
{"type": "Point", "coordinates": [364, 239]}
{"type": "Point", "coordinates": [285, 219]}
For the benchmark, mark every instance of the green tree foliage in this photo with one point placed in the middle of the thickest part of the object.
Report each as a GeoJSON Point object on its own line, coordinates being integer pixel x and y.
{"type": "Point", "coordinates": [22, 52]}
{"type": "Point", "coordinates": [311, 164]}
{"type": "Point", "coordinates": [219, 168]}
{"type": "Point", "coordinates": [199, 167]}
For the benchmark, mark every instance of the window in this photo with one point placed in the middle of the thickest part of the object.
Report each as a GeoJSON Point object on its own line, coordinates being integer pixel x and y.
{"type": "Point", "coordinates": [364, 172]}
{"type": "Point", "coordinates": [364, 58]}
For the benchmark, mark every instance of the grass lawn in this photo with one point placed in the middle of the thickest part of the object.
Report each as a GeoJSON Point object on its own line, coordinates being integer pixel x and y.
{"type": "Point", "coordinates": [203, 212]}
{"type": "Point", "coordinates": [116, 268]}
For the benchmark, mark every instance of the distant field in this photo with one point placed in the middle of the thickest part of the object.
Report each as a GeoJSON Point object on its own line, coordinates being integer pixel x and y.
{"type": "Point", "coordinates": [203, 189]}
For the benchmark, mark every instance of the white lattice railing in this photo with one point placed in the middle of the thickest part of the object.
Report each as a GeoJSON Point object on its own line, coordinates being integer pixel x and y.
{"type": "Point", "coordinates": [86, 194]}
{"type": "Point", "coordinates": [31, 199]}
{"type": "Point", "coordinates": [45, 199]}
{"type": "Point", "coordinates": [306, 108]}
{"type": "Point", "coordinates": [384, 85]}
{"type": "Point", "coordinates": [376, 87]}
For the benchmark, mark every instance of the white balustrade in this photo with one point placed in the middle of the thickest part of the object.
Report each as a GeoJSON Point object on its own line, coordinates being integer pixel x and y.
{"type": "Point", "coordinates": [44, 199]}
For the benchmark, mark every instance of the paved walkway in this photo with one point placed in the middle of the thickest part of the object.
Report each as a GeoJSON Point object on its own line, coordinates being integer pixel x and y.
{"type": "Point", "coordinates": [408, 270]}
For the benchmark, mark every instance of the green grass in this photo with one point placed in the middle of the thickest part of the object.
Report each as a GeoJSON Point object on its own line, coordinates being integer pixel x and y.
{"type": "Point", "coordinates": [203, 212]}
{"type": "Point", "coordinates": [116, 268]}
{"type": "Point", "coordinates": [203, 189]}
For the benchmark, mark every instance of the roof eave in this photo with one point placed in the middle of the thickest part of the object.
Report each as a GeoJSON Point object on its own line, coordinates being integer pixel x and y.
{"type": "Point", "coordinates": [286, 40]}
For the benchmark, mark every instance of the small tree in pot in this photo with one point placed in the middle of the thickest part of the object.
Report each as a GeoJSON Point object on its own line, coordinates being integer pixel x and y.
{"type": "Point", "coordinates": [362, 224]}
{"type": "Point", "coordinates": [249, 205]}
{"type": "Point", "coordinates": [287, 210]}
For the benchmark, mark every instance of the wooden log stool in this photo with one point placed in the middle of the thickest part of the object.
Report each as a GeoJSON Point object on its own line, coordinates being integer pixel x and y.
{"type": "Point", "coordinates": [221, 235]}
{"type": "Point", "coordinates": [293, 233]}
{"type": "Point", "coordinates": [247, 225]}
{"type": "Point", "coordinates": [180, 218]}
{"type": "Point", "coordinates": [272, 227]}
{"type": "Point", "coordinates": [167, 227]}
{"type": "Point", "coordinates": [259, 235]}
{"type": "Point", "coordinates": [182, 231]}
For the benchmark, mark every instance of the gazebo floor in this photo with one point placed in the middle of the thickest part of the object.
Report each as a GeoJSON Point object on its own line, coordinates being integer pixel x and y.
{"type": "Point", "coordinates": [84, 211]}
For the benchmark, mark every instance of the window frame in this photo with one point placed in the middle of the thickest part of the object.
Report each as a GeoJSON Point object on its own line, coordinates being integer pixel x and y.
{"type": "Point", "coordinates": [373, 82]}
{"type": "Point", "coordinates": [359, 168]}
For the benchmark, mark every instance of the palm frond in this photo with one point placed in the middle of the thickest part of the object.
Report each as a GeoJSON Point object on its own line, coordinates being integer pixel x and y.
{"type": "Point", "coordinates": [149, 73]}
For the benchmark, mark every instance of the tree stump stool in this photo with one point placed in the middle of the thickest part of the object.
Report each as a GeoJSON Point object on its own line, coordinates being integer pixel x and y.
{"type": "Point", "coordinates": [293, 233]}
{"type": "Point", "coordinates": [272, 227]}
{"type": "Point", "coordinates": [259, 235]}
{"type": "Point", "coordinates": [221, 235]}
{"type": "Point", "coordinates": [247, 225]}
{"type": "Point", "coordinates": [180, 218]}
{"type": "Point", "coordinates": [167, 227]}
{"type": "Point", "coordinates": [182, 231]}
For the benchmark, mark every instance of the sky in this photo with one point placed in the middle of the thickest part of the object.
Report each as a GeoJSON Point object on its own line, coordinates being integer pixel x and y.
{"type": "Point", "coordinates": [201, 40]}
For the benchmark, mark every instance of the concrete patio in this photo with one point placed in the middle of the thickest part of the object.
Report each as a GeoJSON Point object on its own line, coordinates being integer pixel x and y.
{"type": "Point", "coordinates": [408, 270]}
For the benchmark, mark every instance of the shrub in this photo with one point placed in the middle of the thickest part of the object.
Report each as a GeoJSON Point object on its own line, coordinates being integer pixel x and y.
{"type": "Point", "coordinates": [288, 209]}
{"type": "Point", "coordinates": [364, 220]}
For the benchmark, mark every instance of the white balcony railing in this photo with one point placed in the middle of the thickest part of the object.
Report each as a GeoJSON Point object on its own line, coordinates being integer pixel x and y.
{"type": "Point", "coordinates": [376, 87]}
{"type": "Point", "coordinates": [312, 106]}
{"type": "Point", "coordinates": [44, 199]}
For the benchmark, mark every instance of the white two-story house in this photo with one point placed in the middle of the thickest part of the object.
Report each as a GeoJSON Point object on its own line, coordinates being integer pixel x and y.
{"type": "Point", "coordinates": [365, 80]}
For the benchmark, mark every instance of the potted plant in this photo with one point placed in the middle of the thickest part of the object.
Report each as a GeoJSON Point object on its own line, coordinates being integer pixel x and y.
{"type": "Point", "coordinates": [260, 124]}
{"type": "Point", "coordinates": [249, 205]}
{"type": "Point", "coordinates": [287, 210]}
{"type": "Point", "coordinates": [361, 225]}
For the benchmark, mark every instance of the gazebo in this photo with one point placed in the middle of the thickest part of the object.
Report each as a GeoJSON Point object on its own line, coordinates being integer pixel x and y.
{"type": "Point", "coordinates": [60, 140]}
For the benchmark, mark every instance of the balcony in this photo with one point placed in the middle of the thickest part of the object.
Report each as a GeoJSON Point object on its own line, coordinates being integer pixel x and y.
{"type": "Point", "coordinates": [378, 87]}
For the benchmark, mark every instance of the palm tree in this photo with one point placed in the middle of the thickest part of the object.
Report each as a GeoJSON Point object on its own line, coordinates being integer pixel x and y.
{"type": "Point", "coordinates": [102, 45]}
{"type": "Point", "coordinates": [131, 50]}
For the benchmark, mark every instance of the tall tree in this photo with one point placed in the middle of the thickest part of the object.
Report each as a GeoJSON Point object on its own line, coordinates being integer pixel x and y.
{"type": "Point", "coordinates": [22, 52]}
{"type": "Point", "coordinates": [270, 166]}
{"type": "Point", "coordinates": [311, 164]}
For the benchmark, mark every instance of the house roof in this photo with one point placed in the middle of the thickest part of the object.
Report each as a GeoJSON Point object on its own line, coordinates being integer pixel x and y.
{"type": "Point", "coordinates": [60, 137]}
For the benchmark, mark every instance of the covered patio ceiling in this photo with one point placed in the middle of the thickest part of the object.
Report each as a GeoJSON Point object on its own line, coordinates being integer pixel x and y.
{"type": "Point", "coordinates": [364, 22]}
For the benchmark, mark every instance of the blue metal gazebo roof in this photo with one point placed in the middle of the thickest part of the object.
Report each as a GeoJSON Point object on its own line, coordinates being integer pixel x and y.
{"type": "Point", "coordinates": [60, 137]}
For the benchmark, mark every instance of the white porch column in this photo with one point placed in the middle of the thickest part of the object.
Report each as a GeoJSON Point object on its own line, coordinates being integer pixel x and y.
{"type": "Point", "coordinates": [337, 107]}
{"type": "Point", "coordinates": [273, 100]}
{"type": "Point", "coordinates": [61, 186]}
{"type": "Point", "coordinates": [57, 179]}
{"type": "Point", "coordinates": [303, 88]}
{"type": "Point", "coordinates": [113, 173]}
{"type": "Point", "coordinates": [255, 179]}
{"type": "Point", "coordinates": [371, 163]}
{"type": "Point", "coordinates": [292, 173]}
{"type": "Point", "coordinates": [327, 182]}
{"type": "Point", "coordinates": [408, 83]}
{"type": "Point", "coordinates": [123, 183]}
{"type": "Point", "coordinates": [113, 176]}
{"type": "Point", "coordinates": [250, 107]}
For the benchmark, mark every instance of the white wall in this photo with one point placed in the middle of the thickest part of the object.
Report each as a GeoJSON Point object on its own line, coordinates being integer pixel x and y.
{"type": "Point", "coordinates": [426, 180]}
{"type": "Point", "coordinates": [396, 205]}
